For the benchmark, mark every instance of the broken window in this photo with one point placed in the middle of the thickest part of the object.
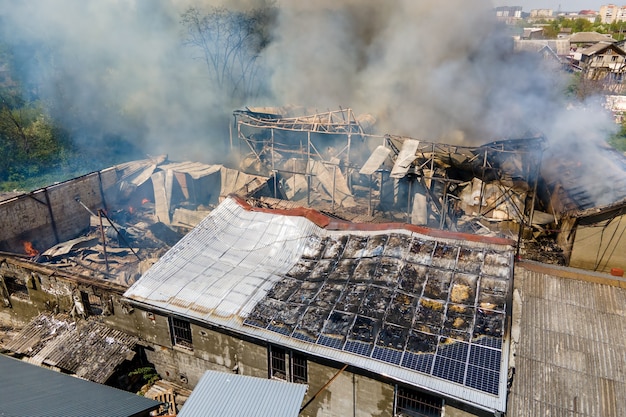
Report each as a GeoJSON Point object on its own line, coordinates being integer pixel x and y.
{"type": "Point", "coordinates": [92, 303]}
{"type": "Point", "coordinates": [181, 333]}
{"type": "Point", "coordinates": [287, 365]}
{"type": "Point", "coordinates": [16, 287]}
{"type": "Point", "coordinates": [416, 404]}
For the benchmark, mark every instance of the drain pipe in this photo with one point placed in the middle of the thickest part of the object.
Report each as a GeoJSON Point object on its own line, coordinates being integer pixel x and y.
{"type": "Point", "coordinates": [323, 388]}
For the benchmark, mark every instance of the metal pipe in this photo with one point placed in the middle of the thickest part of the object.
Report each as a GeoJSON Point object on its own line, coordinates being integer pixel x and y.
{"type": "Point", "coordinates": [308, 168]}
{"type": "Point", "coordinates": [119, 234]}
{"type": "Point", "coordinates": [323, 388]}
{"type": "Point", "coordinates": [369, 198]}
{"type": "Point", "coordinates": [104, 242]}
{"type": "Point", "coordinates": [334, 185]}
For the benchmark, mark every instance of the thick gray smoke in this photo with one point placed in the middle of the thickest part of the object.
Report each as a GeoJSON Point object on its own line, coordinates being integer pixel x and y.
{"type": "Point", "coordinates": [438, 71]}
{"type": "Point", "coordinates": [116, 68]}
{"type": "Point", "coordinates": [434, 70]}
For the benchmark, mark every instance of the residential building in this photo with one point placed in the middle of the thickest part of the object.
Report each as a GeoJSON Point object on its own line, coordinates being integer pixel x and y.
{"type": "Point", "coordinates": [539, 13]}
{"type": "Point", "coordinates": [611, 13]}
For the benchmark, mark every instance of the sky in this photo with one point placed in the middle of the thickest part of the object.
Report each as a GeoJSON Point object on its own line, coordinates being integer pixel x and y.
{"type": "Point", "coordinates": [566, 5]}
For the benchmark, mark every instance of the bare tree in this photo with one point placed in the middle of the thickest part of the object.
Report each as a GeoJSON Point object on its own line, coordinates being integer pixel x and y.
{"type": "Point", "coordinates": [229, 42]}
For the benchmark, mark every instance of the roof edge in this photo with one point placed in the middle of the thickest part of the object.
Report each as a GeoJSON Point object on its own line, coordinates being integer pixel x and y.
{"type": "Point", "coordinates": [329, 223]}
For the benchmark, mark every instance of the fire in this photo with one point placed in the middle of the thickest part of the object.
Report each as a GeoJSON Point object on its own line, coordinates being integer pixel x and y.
{"type": "Point", "coordinates": [144, 201]}
{"type": "Point", "coordinates": [131, 209]}
{"type": "Point", "coordinates": [30, 251]}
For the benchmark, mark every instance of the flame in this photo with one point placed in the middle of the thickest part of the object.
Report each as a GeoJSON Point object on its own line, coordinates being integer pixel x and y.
{"type": "Point", "coordinates": [144, 201]}
{"type": "Point", "coordinates": [131, 209]}
{"type": "Point", "coordinates": [30, 251]}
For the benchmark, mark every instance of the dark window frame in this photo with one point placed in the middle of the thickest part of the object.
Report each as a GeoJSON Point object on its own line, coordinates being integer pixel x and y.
{"type": "Point", "coordinates": [278, 362]}
{"type": "Point", "coordinates": [414, 403]}
{"type": "Point", "coordinates": [180, 331]}
{"type": "Point", "coordinates": [287, 365]}
{"type": "Point", "coordinates": [299, 368]}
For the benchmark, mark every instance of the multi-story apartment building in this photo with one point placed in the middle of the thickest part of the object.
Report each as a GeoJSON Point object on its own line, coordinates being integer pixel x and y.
{"type": "Point", "coordinates": [611, 13]}
{"type": "Point", "coordinates": [541, 13]}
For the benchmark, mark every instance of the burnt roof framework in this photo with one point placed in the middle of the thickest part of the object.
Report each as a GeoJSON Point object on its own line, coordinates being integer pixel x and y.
{"type": "Point", "coordinates": [290, 146]}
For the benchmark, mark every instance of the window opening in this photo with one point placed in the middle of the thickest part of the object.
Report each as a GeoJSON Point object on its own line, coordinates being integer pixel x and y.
{"type": "Point", "coordinates": [299, 368]}
{"type": "Point", "coordinates": [278, 363]}
{"type": "Point", "coordinates": [16, 287]}
{"type": "Point", "coordinates": [181, 333]}
{"type": "Point", "coordinates": [411, 403]}
{"type": "Point", "coordinates": [92, 303]}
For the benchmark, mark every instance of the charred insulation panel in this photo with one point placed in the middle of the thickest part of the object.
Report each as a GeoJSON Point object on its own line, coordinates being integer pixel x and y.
{"type": "Point", "coordinates": [433, 306]}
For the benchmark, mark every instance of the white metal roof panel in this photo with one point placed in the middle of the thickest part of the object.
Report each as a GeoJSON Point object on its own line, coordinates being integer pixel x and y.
{"type": "Point", "coordinates": [249, 254]}
{"type": "Point", "coordinates": [222, 394]}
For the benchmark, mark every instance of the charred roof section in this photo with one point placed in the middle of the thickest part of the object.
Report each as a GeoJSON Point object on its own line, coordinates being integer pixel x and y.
{"type": "Point", "coordinates": [86, 348]}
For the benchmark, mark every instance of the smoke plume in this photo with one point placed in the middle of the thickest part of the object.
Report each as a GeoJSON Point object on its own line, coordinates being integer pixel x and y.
{"type": "Point", "coordinates": [438, 71]}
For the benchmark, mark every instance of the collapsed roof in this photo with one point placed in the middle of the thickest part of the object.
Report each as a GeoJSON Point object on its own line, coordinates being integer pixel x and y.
{"type": "Point", "coordinates": [118, 221]}
{"type": "Point", "coordinates": [87, 348]}
{"type": "Point", "coordinates": [421, 306]}
{"type": "Point", "coordinates": [335, 165]}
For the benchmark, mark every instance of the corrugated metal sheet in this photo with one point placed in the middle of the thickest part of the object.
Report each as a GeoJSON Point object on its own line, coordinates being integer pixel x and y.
{"type": "Point", "coordinates": [222, 269]}
{"type": "Point", "coordinates": [222, 394]}
{"type": "Point", "coordinates": [195, 170]}
{"type": "Point", "coordinates": [571, 355]}
{"type": "Point", "coordinates": [29, 390]}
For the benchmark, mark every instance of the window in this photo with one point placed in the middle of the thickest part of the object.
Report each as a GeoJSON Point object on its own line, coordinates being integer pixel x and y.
{"type": "Point", "coordinates": [299, 368]}
{"type": "Point", "coordinates": [181, 333]}
{"type": "Point", "coordinates": [16, 288]}
{"type": "Point", "coordinates": [278, 363]}
{"type": "Point", "coordinates": [412, 403]}
{"type": "Point", "coordinates": [287, 365]}
{"type": "Point", "coordinates": [92, 303]}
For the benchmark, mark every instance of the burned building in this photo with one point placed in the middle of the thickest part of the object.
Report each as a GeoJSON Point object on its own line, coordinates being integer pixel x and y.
{"type": "Point", "coordinates": [69, 251]}
{"type": "Point", "coordinates": [332, 162]}
{"type": "Point", "coordinates": [378, 270]}
{"type": "Point", "coordinates": [585, 190]}
{"type": "Point", "coordinates": [296, 295]}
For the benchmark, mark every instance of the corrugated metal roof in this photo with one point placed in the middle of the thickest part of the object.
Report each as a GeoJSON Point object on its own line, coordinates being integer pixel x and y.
{"type": "Point", "coordinates": [223, 270]}
{"type": "Point", "coordinates": [223, 394]}
{"type": "Point", "coordinates": [29, 390]}
{"type": "Point", "coordinates": [571, 354]}
{"type": "Point", "coordinates": [86, 348]}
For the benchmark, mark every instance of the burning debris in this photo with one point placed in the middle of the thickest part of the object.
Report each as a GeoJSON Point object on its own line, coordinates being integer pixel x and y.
{"type": "Point", "coordinates": [142, 209]}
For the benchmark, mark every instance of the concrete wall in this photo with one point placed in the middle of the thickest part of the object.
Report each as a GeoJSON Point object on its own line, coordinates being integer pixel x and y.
{"type": "Point", "coordinates": [48, 291]}
{"type": "Point", "coordinates": [350, 394]}
{"type": "Point", "coordinates": [51, 215]}
{"type": "Point", "coordinates": [600, 248]}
